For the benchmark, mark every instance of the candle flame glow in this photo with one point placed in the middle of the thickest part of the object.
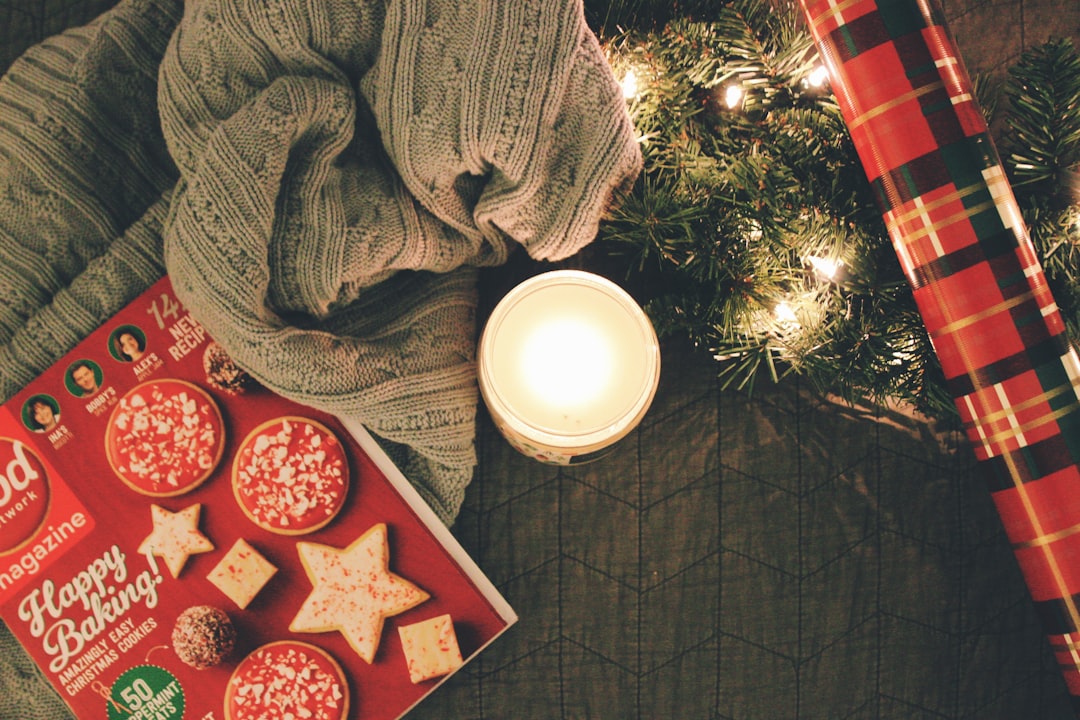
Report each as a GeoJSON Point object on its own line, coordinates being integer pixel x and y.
{"type": "Point", "coordinates": [567, 363]}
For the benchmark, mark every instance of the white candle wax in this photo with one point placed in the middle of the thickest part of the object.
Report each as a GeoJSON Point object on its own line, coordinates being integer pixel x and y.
{"type": "Point", "coordinates": [568, 365]}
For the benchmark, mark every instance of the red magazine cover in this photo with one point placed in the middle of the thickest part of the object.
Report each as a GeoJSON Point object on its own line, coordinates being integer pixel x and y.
{"type": "Point", "coordinates": [178, 542]}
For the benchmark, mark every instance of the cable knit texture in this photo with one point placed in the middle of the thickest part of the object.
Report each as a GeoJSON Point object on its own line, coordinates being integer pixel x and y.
{"type": "Point", "coordinates": [321, 181]}
{"type": "Point", "coordinates": [345, 167]}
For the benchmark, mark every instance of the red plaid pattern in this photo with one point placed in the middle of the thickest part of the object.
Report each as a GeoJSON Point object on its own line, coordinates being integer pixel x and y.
{"type": "Point", "coordinates": [957, 230]}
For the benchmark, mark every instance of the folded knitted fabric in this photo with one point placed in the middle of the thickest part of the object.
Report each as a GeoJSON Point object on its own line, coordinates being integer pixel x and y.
{"type": "Point", "coordinates": [344, 168]}
{"type": "Point", "coordinates": [85, 178]}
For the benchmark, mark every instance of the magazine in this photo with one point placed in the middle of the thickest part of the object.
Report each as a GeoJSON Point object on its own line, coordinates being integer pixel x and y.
{"type": "Point", "coordinates": [176, 541]}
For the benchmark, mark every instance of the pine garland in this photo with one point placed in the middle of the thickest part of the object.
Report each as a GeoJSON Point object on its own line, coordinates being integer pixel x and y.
{"type": "Point", "coordinates": [753, 231]}
{"type": "Point", "coordinates": [1041, 149]}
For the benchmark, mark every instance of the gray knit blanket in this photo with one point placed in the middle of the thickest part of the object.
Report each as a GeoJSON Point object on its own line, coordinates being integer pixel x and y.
{"type": "Point", "coordinates": [321, 181]}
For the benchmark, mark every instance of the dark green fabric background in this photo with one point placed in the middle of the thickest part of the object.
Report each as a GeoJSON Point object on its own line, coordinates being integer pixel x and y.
{"type": "Point", "coordinates": [767, 557]}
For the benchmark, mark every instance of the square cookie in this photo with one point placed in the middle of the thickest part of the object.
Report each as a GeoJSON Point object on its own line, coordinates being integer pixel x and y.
{"type": "Point", "coordinates": [242, 573]}
{"type": "Point", "coordinates": [431, 648]}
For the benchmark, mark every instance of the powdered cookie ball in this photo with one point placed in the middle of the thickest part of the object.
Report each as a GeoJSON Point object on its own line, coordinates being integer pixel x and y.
{"type": "Point", "coordinates": [224, 374]}
{"type": "Point", "coordinates": [203, 636]}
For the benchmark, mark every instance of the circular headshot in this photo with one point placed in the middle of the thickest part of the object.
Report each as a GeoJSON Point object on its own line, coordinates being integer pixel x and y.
{"type": "Point", "coordinates": [127, 343]}
{"type": "Point", "coordinates": [41, 413]}
{"type": "Point", "coordinates": [83, 378]}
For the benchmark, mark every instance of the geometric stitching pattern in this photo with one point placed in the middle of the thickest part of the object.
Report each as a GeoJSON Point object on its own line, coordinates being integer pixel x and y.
{"type": "Point", "coordinates": [773, 556]}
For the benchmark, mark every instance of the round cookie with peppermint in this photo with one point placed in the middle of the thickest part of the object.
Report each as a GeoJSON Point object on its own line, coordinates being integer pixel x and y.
{"type": "Point", "coordinates": [291, 475]}
{"type": "Point", "coordinates": [264, 684]}
{"type": "Point", "coordinates": [165, 437]}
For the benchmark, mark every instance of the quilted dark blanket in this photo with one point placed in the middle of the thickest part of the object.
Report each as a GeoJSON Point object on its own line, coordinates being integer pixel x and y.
{"type": "Point", "coordinates": [772, 556]}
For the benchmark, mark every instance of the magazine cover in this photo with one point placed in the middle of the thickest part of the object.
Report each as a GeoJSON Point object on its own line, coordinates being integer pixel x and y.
{"type": "Point", "coordinates": [178, 542]}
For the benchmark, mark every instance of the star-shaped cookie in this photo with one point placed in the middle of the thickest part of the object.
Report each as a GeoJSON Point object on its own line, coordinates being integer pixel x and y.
{"type": "Point", "coordinates": [353, 591]}
{"type": "Point", "coordinates": [175, 536]}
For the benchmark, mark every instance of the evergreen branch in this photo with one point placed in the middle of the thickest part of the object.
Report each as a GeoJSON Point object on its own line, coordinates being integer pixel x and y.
{"type": "Point", "coordinates": [752, 194]}
{"type": "Point", "coordinates": [1043, 136]}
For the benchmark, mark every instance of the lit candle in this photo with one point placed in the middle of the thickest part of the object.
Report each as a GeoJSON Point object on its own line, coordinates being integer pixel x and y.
{"type": "Point", "coordinates": [568, 365]}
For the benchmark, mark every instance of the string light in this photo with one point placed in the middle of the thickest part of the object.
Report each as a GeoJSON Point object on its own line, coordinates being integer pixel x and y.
{"type": "Point", "coordinates": [786, 314]}
{"type": "Point", "coordinates": [901, 358]}
{"type": "Point", "coordinates": [824, 267]}
{"type": "Point", "coordinates": [787, 300]}
{"type": "Point", "coordinates": [733, 96]}
{"type": "Point", "coordinates": [629, 85]}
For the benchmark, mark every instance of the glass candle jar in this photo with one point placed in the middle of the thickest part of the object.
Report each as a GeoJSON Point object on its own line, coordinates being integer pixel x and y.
{"type": "Point", "coordinates": [568, 365]}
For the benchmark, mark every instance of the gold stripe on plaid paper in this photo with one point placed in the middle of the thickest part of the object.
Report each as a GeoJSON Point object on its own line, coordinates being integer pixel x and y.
{"type": "Point", "coordinates": [976, 426]}
{"type": "Point", "coordinates": [1074, 666]}
{"type": "Point", "coordinates": [1069, 645]}
{"type": "Point", "coordinates": [981, 422]}
{"type": "Point", "coordinates": [1018, 431]}
{"type": "Point", "coordinates": [951, 70]}
{"type": "Point", "coordinates": [1062, 588]}
{"type": "Point", "coordinates": [1002, 192]}
{"type": "Point", "coordinates": [934, 227]}
{"type": "Point", "coordinates": [835, 9]}
{"type": "Point", "coordinates": [1048, 538]}
{"type": "Point", "coordinates": [894, 222]}
{"type": "Point", "coordinates": [1001, 307]}
{"type": "Point", "coordinates": [1014, 431]}
{"type": "Point", "coordinates": [896, 102]}
{"type": "Point", "coordinates": [1072, 388]}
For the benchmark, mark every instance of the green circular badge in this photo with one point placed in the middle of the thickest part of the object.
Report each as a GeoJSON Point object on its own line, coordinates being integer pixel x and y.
{"type": "Point", "coordinates": [146, 692]}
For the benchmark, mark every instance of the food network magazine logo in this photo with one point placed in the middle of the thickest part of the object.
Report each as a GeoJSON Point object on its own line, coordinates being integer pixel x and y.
{"type": "Point", "coordinates": [40, 518]}
{"type": "Point", "coordinates": [24, 495]}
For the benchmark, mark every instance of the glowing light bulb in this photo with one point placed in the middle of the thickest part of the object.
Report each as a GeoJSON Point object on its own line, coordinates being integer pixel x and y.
{"type": "Point", "coordinates": [818, 76]}
{"type": "Point", "coordinates": [824, 267]}
{"type": "Point", "coordinates": [786, 314]}
{"type": "Point", "coordinates": [629, 85]}
{"type": "Point", "coordinates": [733, 96]}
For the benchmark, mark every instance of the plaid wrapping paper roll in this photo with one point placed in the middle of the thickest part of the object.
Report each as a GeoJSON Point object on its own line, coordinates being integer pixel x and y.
{"type": "Point", "coordinates": [955, 224]}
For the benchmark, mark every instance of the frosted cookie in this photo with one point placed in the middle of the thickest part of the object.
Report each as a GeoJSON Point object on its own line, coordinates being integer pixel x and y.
{"type": "Point", "coordinates": [287, 679]}
{"type": "Point", "coordinates": [224, 374]}
{"type": "Point", "coordinates": [242, 573]}
{"type": "Point", "coordinates": [431, 648]}
{"type": "Point", "coordinates": [175, 536]}
{"type": "Point", "coordinates": [203, 636]}
{"type": "Point", "coordinates": [290, 475]}
{"type": "Point", "coordinates": [353, 591]}
{"type": "Point", "coordinates": [164, 437]}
